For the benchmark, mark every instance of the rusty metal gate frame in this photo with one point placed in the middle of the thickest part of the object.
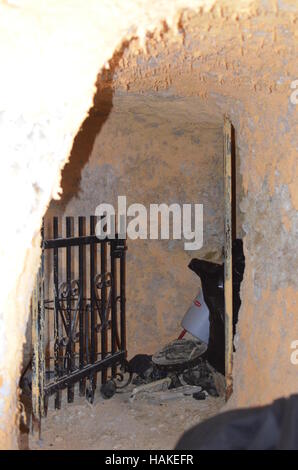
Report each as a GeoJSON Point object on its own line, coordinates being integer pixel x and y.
{"type": "Point", "coordinates": [79, 318]}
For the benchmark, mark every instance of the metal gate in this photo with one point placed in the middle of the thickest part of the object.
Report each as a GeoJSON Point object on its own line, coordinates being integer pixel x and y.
{"type": "Point", "coordinates": [78, 313]}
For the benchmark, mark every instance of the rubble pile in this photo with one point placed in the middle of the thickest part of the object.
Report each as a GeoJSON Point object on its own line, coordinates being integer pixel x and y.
{"type": "Point", "coordinates": [178, 370]}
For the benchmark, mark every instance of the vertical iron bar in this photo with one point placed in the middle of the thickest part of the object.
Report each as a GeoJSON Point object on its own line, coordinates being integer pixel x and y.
{"type": "Point", "coordinates": [69, 348]}
{"type": "Point", "coordinates": [57, 327]}
{"type": "Point", "coordinates": [93, 249]}
{"type": "Point", "coordinates": [122, 297]}
{"type": "Point", "coordinates": [82, 232]}
{"type": "Point", "coordinates": [113, 301]}
{"type": "Point", "coordinates": [103, 269]}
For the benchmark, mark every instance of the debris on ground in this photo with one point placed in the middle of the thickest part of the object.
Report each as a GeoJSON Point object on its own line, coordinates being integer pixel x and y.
{"type": "Point", "coordinates": [151, 387]}
{"type": "Point", "coordinates": [179, 354]}
{"type": "Point", "coordinates": [177, 370]}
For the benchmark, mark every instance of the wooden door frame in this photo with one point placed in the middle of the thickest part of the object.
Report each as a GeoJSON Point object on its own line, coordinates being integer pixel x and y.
{"type": "Point", "coordinates": [228, 273]}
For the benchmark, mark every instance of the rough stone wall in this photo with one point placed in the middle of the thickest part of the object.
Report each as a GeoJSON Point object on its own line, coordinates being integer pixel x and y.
{"type": "Point", "coordinates": [51, 53]}
{"type": "Point", "coordinates": [154, 149]}
{"type": "Point", "coordinates": [244, 64]}
{"type": "Point", "coordinates": [243, 57]}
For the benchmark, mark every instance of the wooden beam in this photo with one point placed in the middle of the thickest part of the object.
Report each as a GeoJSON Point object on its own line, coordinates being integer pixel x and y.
{"type": "Point", "coordinates": [228, 284]}
{"type": "Point", "coordinates": [38, 359]}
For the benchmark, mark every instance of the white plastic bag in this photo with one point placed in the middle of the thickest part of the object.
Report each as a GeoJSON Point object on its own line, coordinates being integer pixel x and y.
{"type": "Point", "coordinates": [196, 320]}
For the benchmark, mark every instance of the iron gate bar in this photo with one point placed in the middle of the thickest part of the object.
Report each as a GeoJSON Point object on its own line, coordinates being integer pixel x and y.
{"type": "Point", "coordinates": [82, 229]}
{"type": "Point", "coordinates": [73, 241]}
{"type": "Point", "coordinates": [75, 376]}
{"type": "Point", "coordinates": [80, 314]}
{"type": "Point", "coordinates": [103, 269]}
{"type": "Point", "coordinates": [57, 328]}
{"type": "Point", "coordinates": [113, 303]}
{"type": "Point", "coordinates": [69, 303]}
{"type": "Point", "coordinates": [92, 296]}
{"type": "Point", "coordinates": [123, 298]}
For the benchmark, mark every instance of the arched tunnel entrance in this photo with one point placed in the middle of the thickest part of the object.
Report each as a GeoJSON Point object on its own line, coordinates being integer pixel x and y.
{"type": "Point", "coordinates": [153, 147]}
{"type": "Point", "coordinates": [154, 134]}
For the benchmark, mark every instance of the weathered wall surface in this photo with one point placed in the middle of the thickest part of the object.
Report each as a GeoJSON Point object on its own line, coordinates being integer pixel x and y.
{"type": "Point", "coordinates": [244, 65]}
{"type": "Point", "coordinates": [242, 57]}
{"type": "Point", "coordinates": [51, 53]}
{"type": "Point", "coordinates": [154, 149]}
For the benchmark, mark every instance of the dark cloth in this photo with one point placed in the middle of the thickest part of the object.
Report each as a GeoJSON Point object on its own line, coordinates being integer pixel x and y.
{"type": "Point", "coordinates": [212, 279]}
{"type": "Point", "coordinates": [271, 427]}
{"type": "Point", "coordinates": [139, 364]}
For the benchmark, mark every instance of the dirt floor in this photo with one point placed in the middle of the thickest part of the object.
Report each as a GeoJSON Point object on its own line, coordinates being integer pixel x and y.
{"type": "Point", "coordinates": [118, 423]}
